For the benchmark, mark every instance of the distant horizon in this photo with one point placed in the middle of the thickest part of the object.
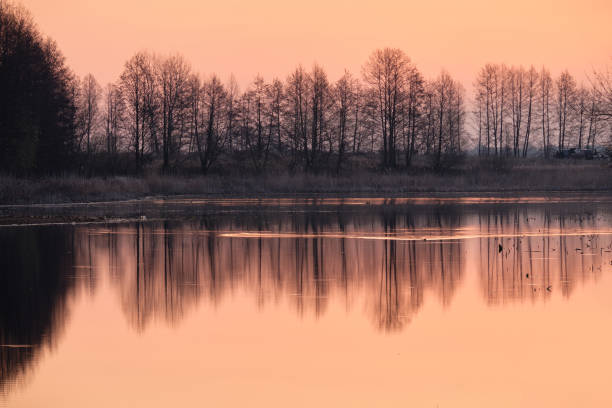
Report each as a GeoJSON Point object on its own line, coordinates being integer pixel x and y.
{"type": "Point", "coordinates": [262, 38]}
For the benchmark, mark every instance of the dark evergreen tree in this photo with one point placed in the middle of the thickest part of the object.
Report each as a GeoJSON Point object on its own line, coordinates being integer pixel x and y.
{"type": "Point", "coordinates": [36, 103]}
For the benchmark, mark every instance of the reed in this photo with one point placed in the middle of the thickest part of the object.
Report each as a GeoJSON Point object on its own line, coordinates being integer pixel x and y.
{"type": "Point", "coordinates": [524, 177]}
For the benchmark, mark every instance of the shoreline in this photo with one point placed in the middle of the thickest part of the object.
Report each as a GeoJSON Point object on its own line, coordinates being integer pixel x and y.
{"type": "Point", "coordinates": [520, 180]}
{"type": "Point", "coordinates": [193, 207]}
{"type": "Point", "coordinates": [496, 196]}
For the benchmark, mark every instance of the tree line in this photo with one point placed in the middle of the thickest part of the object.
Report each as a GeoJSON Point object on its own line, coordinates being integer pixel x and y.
{"type": "Point", "coordinates": [516, 109]}
{"type": "Point", "coordinates": [159, 107]}
{"type": "Point", "coordinates": [161, 111]}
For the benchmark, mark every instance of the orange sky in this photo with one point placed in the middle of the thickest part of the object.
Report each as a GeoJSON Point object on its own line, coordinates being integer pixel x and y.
{"type": "Point", "coordinates": [272, 36]}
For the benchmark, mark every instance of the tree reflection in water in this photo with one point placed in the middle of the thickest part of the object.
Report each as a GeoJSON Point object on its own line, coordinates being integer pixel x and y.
{"type": "Point", "coordinates": [162, 270]}
{"type": "Point", "coordinates": [382, 260]}
{"type": "Point", "coordinates": [37, 281]}
{"type": "Point", "coordinates": [541, 253]}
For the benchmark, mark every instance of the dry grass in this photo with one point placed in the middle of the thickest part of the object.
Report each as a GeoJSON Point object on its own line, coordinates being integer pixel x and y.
{"type": "Point", "coordinates": [528, 176]}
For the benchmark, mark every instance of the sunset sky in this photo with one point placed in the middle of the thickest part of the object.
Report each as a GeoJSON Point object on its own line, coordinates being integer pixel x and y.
{"type": "Point", "coordinates": [272, 36]}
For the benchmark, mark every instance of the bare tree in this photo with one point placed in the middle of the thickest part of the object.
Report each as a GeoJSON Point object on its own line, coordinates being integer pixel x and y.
{"type": "Point", "coordinates": [413, 104]}
{"type": "Point", "coordinates": [113, 117]}
{"type": "Point", "coordinates": [173, 74]}
{"type": "Point", "coordinates": [209, 144]}
{"type": "Point", "coordinates": [231, 111]}
{"type": "Point", "coordinates": [565, 87]}
{"type": "Point", "coordinates": [531, 94]}
{"type": "Point", "coordinates": [345, 95]}
{"type": "Point", "coordinates": [296, 92]}
{"type": "Point", "coordinates": [428, 123]}
{"type": "Point", "coordinates": [601, 82]}
{"type": "Point", "coordinates": [545, 89]}
{"type": "Point", "coordinates": [387, 73]}
{"type": "Point", "coordinates": [358, 115]}
{"type": "Point", "coordinates": [88, 111]}
{"type": "Point", "coordinates": [594, 119]}
{"type": "Point", "coordinates": [516, 79]}
{"type": "Point", "coordinates": [256, 123]}
{"type": "Point", "coordinates": [275, 96]}
{"type": "Point", "coordinates": [136, 81]}
{"type": "Point", "coordinates": [319, 99]}
{"type": "Point", "coordinates": [194, 108]}
{"type": "Point", "coordinates": [489, 87]}
{"type": "Point", "coordinates": [582, 109]}
{"type": "Point", "coordinates": [522, 84]}
{"type": "Point", "coordinates": [448, 114]}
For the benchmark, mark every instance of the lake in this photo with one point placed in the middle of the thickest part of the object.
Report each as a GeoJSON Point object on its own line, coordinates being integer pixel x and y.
{"type": "Point", "coordinates": [428, 302]}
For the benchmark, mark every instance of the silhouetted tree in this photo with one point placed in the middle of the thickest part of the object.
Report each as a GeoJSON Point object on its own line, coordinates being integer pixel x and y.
{"type": "Point", "coordinates": [602, 89]}
{"type": "Point", "coordinates": [88, 113]}
{"type": "Point", "coordinates": [209, 144]}
{"type": "Point", "coordinates": [447, 103]}
{"type": "Point", "coordinates": [173, 75]}
{"type": "Point", "coordinates": [388, 74]}
{"type": "Point", "coordinates": [159, 109]}
{"type": "Point", "coordinates": [297, 114]}
{"type": "Point", "coordinates": [135, 86]}
{"type": "Point", "coordinates": [565, 97]}
{"type": "Point", "coordinates": [522, 84]}
{"type": "Point", "coordinates": [114, 112]}
{"type": "Point", "coordinates": [345, 95]}
{"type": "Point", "coordinates": [256, 123]}
{"type": "Point", "coordinates": [318, 104]}
{"type": "Point", "coordinates": [36, 98]}
{"type": "Point", "coordinates": [232, 94]}
{"type": "Point", "coordinates": [545, 89]}
{"type": "Point", "coordinates": [275, 96]}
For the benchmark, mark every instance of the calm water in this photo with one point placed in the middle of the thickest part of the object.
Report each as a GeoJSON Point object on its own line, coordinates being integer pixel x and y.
{"type": "Point", "coordinates": [432, 303]}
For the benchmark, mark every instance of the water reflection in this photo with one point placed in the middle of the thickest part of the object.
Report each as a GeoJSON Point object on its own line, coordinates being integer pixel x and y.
{"type": "Point", "coordinates": [385, 262]}
{"type": "Point", "coordinates": [163, 270]}
{"type": "Point", "coordinates": [36, 284]}
{"type": "Point", "coordinates": [527, 257]}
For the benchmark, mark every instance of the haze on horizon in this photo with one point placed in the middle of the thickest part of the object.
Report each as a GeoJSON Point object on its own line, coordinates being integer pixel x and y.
{"type": "Point", "coordinates": [271, 37]}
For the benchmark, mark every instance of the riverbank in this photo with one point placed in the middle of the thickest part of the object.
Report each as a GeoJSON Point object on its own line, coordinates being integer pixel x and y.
{"type": "Point", "coordinates": [531, 177]}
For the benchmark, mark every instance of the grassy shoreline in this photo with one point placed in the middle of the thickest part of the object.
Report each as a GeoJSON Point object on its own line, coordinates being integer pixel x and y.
{"type": "Point", "coordinates": [553, 178]}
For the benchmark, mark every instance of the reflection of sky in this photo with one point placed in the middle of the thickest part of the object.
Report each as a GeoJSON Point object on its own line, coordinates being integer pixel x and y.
{"type": "Point", "coordinates": [222, 316]}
